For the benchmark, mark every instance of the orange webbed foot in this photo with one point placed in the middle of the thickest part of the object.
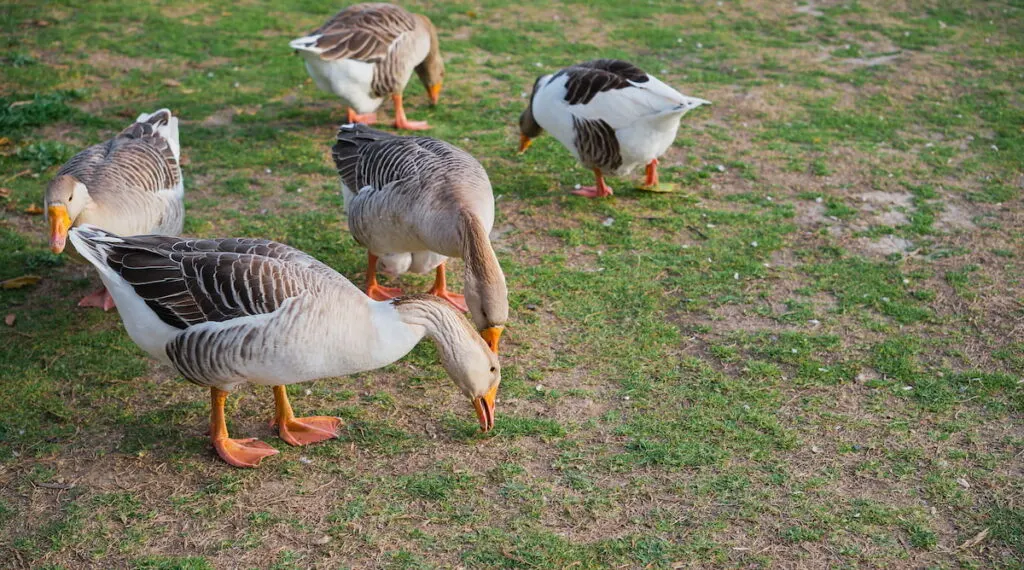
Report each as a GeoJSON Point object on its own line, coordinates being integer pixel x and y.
{"type": "Point", "coordinates": [456, 300]}
{"type": "Point", "coordinates": [100, 299]}
{"type": "Point", "coordinates": [365, 118]}
{"type": "Point", "coordinates": [411, 125]}
{"type": "Point", "coordinates": [303, 431]}
{"type": "Point", "coordinates": [593, 191]}
{"type": "Point", "coordinates": [242, 452]}
{"type": "Point", "coordinates": [381, 293]}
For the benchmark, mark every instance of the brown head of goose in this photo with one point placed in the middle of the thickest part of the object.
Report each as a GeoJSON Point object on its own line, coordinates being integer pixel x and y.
{"type": "Point", "coordinates": [367, 52]}
{"type": "Point", "coordinates": [224, 312]}
{"type": "Point", "coordinates": [610, 114]}
{"type": "Point", "coordinates": [130, 184]}
{"type": "Point", "coordinates": [422, 196]}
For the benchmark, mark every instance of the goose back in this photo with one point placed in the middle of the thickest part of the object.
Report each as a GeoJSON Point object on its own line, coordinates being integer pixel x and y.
{"type": "Point", "coordinates": [404, 194]}
{"type": "Point", "coordinates": [134, 179]}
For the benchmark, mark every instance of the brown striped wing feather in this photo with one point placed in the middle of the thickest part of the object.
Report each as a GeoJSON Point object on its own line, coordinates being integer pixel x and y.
{"type": "Point", "coordinates": [138, 157]}
{"type": "Point", "coordinates": [586, 80]}
{"type": "Point", "coordinates": [191, 281]}
{"type": "Point", "coordinates": [363, 32]}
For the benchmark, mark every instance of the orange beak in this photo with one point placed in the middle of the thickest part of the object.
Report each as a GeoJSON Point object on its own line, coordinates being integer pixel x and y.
{"type": "Point", "coordinates": [60, 223]}
{"type": "Point", "coordinates": [491, 336]}
{"type": "Point", "coordinates": [484, 406]}
{"type": "Point", "coordinates": [434, 91]}
{"type": "Point", "coordinates": [524, 143]}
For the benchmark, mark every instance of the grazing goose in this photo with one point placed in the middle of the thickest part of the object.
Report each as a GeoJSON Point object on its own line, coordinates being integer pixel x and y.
{"type": "Point", "coordinates": [130, 185]}
{"type": "Point", "coordinates": [228, 311]}
{"type": "Point", "coordinates": [367, 52]}
{"type": "Point", "coordinates": [610, 114]}
{"type": "Point", "coordinates": [428, 200]}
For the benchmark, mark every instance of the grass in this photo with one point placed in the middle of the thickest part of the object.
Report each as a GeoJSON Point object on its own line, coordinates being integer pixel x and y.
{"type": "Point", "coordinates": [810, 356]}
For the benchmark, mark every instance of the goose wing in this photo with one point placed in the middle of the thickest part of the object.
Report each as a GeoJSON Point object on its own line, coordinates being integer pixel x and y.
{"type": "Point", "coordinates": [143, 157]}
{"type": "Point", "coordinates": [616, 92]}
{"type": "Point", "coordinates": [364, 32]}
{"type": "Point", "coordinates": [365, 157]}
{"type": "Point", "coordinates": [192, 281]}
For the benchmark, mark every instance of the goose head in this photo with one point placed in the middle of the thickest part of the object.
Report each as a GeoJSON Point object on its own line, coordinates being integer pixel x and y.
{"type": "Point", "coordinates": [467, 359]}
{"type": "Point", "coordinates": [65, 199]}
{"type": "Point", "coordinates": [529, 129]}
{"type": "Point", "coordinates": [475, 370]}
{"type": "Point", "coordinates": [431, 69]}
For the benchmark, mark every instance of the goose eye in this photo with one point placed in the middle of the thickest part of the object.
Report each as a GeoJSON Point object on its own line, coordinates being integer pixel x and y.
{"type": "Point", "coordinates": [493, 369]}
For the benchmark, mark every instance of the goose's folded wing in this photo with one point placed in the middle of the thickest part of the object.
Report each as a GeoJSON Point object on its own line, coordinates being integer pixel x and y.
{"type": "Point", "coordinates": [140, 158]}
{"type": "Point", "coordinates": [616, 92]}
{"type": "Point", "coordinates": [368, 157]}
{"type": "Point", "coordinates": [187, 282]}
{"type": "Point", "coordinates": [363, 32]}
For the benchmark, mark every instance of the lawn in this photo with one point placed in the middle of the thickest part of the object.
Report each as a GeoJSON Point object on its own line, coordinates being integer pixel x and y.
{"type": "Point", "coordinates": [810, 356]}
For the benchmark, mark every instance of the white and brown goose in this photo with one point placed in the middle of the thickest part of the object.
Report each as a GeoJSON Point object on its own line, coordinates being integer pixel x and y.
{"type": "Point", "coordinates": [610, 114]}
{"type": "Point", "coordinates": [416, 201]}
{"type": "Point", "coordinates": [224, 312]}
{"type": "Point", "coordinates": [367, 52]}
{"type": "Point", "coordinates": [129, 185]}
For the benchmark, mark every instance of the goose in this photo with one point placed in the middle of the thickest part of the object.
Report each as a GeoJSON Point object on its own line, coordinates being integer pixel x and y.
{"type": "Point", "coordinates": [610, 114]}
{"type": "Point", "coordinates": [228, 311]}
{"type": "Point", "coordinates": [367, 52]}
{"type": "Point", "coordinates": [417, 201]}
{"type": "Point", "coordinates": [130, 185]}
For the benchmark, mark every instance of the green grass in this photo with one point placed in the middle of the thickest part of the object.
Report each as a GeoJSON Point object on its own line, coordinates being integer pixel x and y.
{"type": "Point", "coordinates": [810, 356]}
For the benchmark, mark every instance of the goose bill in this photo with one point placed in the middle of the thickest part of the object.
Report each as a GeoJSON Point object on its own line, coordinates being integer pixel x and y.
{"type": "Point", "coordinates": [434, 91]}
{"type": "Point", "coordinates": [524, 143]}
{"type": "Point", "coordinates": [484, 406]}
{"type": "Point", "coordinates": [491, 336]}
{"type": "Point", "coordinates": [60, 223]}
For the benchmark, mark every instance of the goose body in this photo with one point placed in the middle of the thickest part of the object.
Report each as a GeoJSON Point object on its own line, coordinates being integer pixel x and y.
{"type": "Point", "coordinates": [414, 202]}
{"type": "Point", "coordinates": [129, 185]}
{"type": "Point", "coordinates": [367, 52]}
{"type": "Point", "coordinates": [224, 312]}
{"type": "Point", "coordinates": [610, 114]}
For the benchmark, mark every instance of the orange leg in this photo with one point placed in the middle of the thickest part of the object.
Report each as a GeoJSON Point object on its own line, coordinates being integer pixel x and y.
{"type": "Point", "coordinates": [238, 452]}
{"type": "Point", "coordinates": [373, 289]}
{"type": "Point", "coordinates": [301, 431]}
{"type": "Point", "coordinates": [366, 118]}
{"type": "Point", "coordinates": [100, 299]}
{"type": "Point", "coordinates": [440, 289]}
{"type": "Point", "coordinates": [599, 191]}
{"type": "Point", "coordinates": [401, 122]}
{"type": "Point", "coordinates": [652, 174]}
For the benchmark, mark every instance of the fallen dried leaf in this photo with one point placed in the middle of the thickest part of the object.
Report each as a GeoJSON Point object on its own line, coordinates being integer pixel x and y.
{"type": "Point", "coordinates": [19, 104]}
{"type": "Point", "coordinates": [34, 210]}
{"type": "Point", "coordinates": [5, 192]}
{"type": "Point", "coordinates": [19, 282]}
{"type": "Point", "coordinates": [974, 541]}
{"type": "Point", "coordinates": [4, 141]}
{"type": "Point", "coordinates": [171, 82]}
{"type": "Point", "coordinates": [9, 319]}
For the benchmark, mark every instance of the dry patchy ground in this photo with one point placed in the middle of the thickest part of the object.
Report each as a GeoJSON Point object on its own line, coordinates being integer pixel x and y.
{"type": "Point", "coordinates": [809, 357]}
